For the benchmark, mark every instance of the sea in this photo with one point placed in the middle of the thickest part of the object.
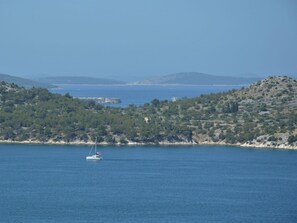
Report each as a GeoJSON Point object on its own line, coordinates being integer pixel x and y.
{"type": "Point", "coordinates": [132, 184]}
{"type": "Point", "coordinates": [172, 184]}
{"type": "Point", "coordinates": [140, 94]}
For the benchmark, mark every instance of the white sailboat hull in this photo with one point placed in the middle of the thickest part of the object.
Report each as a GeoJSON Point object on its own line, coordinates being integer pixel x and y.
{"type": "Point", "coordinates": [94, 157]}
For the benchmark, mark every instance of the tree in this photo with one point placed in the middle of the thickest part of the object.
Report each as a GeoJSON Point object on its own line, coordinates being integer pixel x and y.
{"type": "Point", "coordinates": [292, 139]}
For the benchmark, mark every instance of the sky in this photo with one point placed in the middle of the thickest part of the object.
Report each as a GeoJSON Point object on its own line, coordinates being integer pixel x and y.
{"type": "Point", "coordinates": [138, 39]}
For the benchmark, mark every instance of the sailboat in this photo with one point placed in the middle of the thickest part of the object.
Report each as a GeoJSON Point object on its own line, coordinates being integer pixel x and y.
{"type": "Point", "coordinates": [96, 156]}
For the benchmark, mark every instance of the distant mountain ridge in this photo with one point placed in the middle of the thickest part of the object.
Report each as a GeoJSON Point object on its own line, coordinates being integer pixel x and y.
{"type": "Point", "coordinates": [196, 78]}
{"type": "Point", "coordinates": [23, 82]}
{"type": "Point", "coordinates": [79, 80]}
{"type": "Point", "coordinates": [182, 78]}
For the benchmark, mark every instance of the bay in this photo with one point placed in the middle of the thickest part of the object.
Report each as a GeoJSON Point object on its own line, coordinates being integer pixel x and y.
{"type": "Point", "coordinates": [46, 183]}
{"type": "Point", "coordinates": [139, 94]}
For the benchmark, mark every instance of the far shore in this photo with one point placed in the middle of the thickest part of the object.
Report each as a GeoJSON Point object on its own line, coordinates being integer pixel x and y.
{"type": "Point", "coordinates": [258, 145]}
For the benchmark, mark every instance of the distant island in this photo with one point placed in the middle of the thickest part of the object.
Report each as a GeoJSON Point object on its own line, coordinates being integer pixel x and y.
{"type": "Point", "coordinates": [195, 78]}
{"type": "Point", "coordinates": [182, 78]}
{"type": "Point", "coordinates": [27, 83]}
{"type": "Point", "coordinates": [79, 80]}
{"type": "Point", "coordinates": [263, 114]}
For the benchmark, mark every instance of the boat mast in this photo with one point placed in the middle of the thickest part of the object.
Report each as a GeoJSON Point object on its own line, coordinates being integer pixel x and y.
{"type": "Point", "coordinates": [96, 146]}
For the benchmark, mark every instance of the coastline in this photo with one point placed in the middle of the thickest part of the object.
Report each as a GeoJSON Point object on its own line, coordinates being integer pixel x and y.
{"type": "Point", "coordinates": [165, 143]}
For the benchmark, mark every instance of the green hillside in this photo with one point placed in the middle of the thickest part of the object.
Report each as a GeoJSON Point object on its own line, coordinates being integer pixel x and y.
{"type": "Point", "coordinates": [263, 114]}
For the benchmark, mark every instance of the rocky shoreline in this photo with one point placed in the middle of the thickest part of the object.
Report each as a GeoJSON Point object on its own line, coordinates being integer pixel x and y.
{"type": "Point", "coordinates": [165, 143]}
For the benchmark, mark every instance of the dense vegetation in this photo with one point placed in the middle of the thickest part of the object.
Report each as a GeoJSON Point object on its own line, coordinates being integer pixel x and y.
{"type": "Point", "coordinates": [263, 113]}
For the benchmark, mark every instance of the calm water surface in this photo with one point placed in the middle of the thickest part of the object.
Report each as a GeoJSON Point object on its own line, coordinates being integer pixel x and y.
{"type": "Point", "coordinates": [147, 184]}
{"type": "Point", "coordinates": [138, 95]}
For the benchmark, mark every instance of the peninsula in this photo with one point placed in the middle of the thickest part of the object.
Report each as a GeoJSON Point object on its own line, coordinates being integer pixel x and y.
{"type": "Point", "coordinates": [27, 83]}
{"type": "Point", "coordinates": [196, 78]}
{"type": "Point", "coordinates": [263, 114]}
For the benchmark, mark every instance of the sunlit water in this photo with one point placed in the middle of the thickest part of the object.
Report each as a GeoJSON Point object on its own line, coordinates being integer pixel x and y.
{"type": "Point", "coordinates": [147, 184]}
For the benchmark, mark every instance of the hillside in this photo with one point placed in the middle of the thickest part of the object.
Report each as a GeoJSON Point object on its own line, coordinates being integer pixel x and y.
{"type": "Point", "coordinates": [263, 114]}
{"type": "Point", "coordinates": [195, 78]}
{"type": "Point", "coordinates": [23, 82]}
{"type": "Point", "coordinates": [79, 80]}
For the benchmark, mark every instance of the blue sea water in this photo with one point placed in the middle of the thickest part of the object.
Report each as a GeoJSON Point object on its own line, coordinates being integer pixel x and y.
{"type": "Point", "coordinates": [138, 95]}
{"type": "Point", "coordinates": [46, 184]}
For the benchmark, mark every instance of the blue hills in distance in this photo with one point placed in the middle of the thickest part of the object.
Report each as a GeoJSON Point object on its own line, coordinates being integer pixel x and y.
{"type": "Point", "coordinates": [23, 82]}
{"type": "Point", "coordinates": [79, 80]}
{"type": "Point", "coordinates": [196, 78]}
{"type": "Point", "coordinates": [182, 78]}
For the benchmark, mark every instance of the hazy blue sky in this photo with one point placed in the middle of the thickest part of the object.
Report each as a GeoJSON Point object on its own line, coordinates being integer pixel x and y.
{"type": "Point", "coordinates": [137, 38]}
